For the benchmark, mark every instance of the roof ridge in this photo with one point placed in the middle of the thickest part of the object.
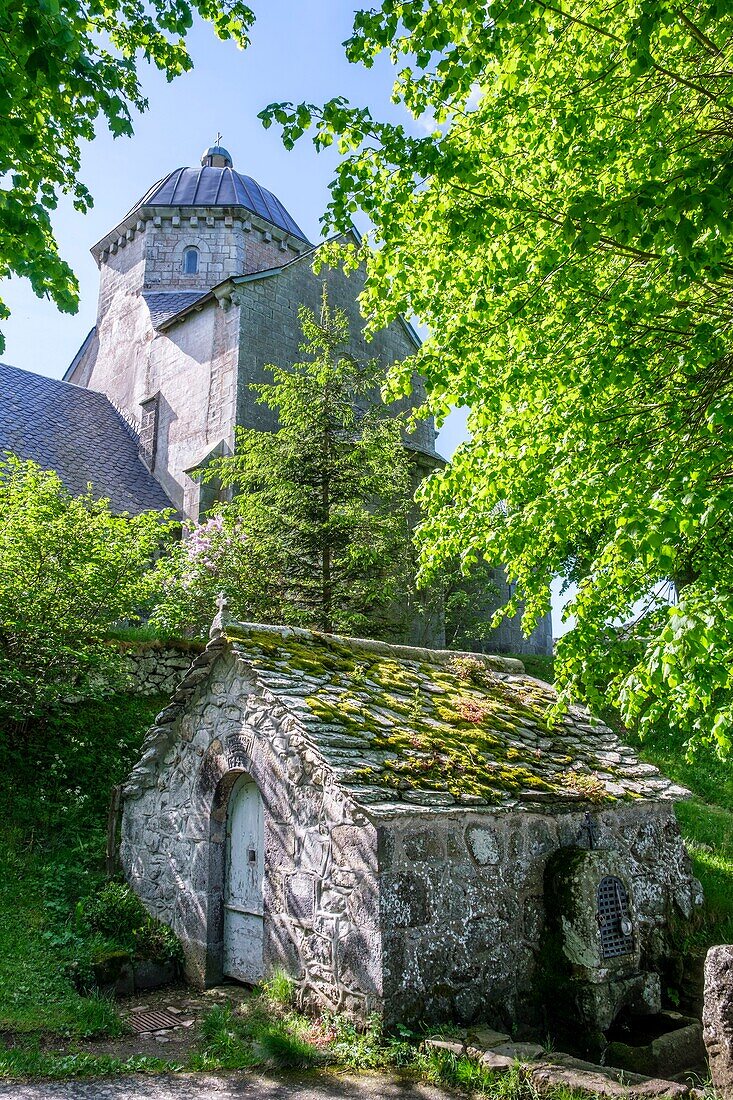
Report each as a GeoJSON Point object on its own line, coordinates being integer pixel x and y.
{"type": "Point", "coordinates": [132, 426]}
{"type": "Point", "coordinates": [234, 629]}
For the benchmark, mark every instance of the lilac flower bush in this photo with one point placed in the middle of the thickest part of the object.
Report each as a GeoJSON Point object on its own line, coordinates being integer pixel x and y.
{"type": "Point", "coordinates": [207, 545]}
{"type": "Point", "coordinates": [213, 556]}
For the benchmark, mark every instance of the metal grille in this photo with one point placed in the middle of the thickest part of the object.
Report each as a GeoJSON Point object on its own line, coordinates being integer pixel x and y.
{"type": "Point", "coordinates": [617, 937]}
{"type": "Point", "coordinates": [154, 1020]}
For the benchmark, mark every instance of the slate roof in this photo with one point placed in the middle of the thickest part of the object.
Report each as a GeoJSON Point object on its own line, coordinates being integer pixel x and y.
{"type": "Point", "coordinates": [209, 186]}
{"type": "Point", "coordinates": [401, 727]}
{"type": "Point", "coordinates": [165, 304]}
{"type": "Point", "coordinates": [78, 433]}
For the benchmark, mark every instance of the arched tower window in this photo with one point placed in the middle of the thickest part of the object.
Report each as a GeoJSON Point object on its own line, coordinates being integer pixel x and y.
{"type": "Point", "coordinates": [190, 261]}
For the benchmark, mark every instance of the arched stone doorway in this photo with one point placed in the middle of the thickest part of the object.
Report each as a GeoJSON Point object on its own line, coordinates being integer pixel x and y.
{"type": "Point", "coordinates": [243, 894]}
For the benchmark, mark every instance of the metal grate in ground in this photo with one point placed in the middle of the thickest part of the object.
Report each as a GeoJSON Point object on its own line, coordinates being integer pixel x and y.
{"type": "Point", "coordinates": [155, 1019]}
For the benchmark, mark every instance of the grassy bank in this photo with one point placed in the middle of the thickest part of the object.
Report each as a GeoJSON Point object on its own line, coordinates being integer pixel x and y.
{"type": "Point", "coordinates": [265, 1032]}
{"type": "Point", "coordinates": [55, 782]}
{"type": "Point", "coordinates": [706, 821]}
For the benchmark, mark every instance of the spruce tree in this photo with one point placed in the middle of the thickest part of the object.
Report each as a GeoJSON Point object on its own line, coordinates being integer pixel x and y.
{"type": "Point", "coordinates": [320, 512]}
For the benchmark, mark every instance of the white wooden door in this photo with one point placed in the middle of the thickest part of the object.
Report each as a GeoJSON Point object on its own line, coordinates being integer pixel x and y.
{"type": "Point", "coordinates": [245, 866]}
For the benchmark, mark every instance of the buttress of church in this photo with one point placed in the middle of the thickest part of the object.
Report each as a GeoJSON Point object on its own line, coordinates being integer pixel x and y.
{"type": "Point", "coordinates": [200, 287]}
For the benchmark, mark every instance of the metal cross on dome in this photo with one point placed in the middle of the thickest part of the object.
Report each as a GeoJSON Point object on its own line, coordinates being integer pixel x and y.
{"type": "Point", "coordinates": [217, 140]}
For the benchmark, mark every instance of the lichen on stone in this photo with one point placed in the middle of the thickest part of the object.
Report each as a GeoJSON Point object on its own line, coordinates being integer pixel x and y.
{"type": "Point", "coordinates": [587, 784]}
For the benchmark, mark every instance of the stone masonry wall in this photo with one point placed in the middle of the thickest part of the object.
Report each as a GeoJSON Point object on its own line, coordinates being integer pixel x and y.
{"type": "Point", "coordinates": [118, 367]}
{"type": "Point", "coordinates": [271, 333]}
{"type": "Point", "coordinates": [194, 368]}
{"type": "Point", "coordinates": [462, 903]}
{"type": "Point", "coordinates": [157, 670]}
{"type": "Point", "coordinates": [507, 637]}
{"type": "Point", "coordinates": [229, 242]}
{"type": "Point", "coordinates": [321, 909]}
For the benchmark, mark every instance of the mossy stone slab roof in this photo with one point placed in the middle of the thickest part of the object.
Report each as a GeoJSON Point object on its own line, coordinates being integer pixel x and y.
{"type": "Point", "coordinates": [403, 727]}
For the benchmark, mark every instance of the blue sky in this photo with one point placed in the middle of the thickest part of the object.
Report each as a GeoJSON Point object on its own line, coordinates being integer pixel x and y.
{"type": "Point", "coordinates": [291, 57]}
{"type": "Point", "coordinates": [296, 54]}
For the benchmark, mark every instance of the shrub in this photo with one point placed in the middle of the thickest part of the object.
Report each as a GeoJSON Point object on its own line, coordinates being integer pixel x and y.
{"type": "Point", "coordinates": [69, 570]}
{"type": "Point", "coordinates": [115, 911]}
{"type": "Point", "coordinates": [157, 942]}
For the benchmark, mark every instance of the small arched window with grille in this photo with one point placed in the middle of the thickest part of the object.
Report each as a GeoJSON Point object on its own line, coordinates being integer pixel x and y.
{"type": "Point", "coordinates": [617, 933]}
{"type": "Point", "coordinates": [190, 260]}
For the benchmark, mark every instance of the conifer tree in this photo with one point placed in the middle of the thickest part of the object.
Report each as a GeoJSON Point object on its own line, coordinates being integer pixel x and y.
{"type": "Point", "coordinates": [317, 532]}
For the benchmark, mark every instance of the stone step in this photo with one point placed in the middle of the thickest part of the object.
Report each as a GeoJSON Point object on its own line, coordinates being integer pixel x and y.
{"type": "Point", "coordinates": [547, 1077]}
{"type": "Point", "coordinates": [486, 1037]}
{"type": "Point", "coordinates": [555, 1071]}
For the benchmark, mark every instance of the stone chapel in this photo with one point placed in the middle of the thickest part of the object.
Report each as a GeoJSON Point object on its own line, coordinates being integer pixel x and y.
{"type": "Point", "coordinates": [200, 286]}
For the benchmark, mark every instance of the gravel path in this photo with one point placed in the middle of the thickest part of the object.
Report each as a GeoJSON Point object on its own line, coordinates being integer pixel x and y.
{"type": "Point", "coordinates": [197, 1086]}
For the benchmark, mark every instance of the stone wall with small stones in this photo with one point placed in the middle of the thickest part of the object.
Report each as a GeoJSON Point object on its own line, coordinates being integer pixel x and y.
{"type": "Point", "coordinates": [321, 898]}
{"type": "Point", "coordinates": [155, 669]}
{"type": "Point", "coordinates": [463, 908]}
{"type": "Point", "coordinates": [228, 245]}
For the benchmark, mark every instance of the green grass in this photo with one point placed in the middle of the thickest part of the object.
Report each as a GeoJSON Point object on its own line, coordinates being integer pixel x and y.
{"type": "Point", "coordinates": [24, 1062]}
{"type": "Point", "coordinates": [259, 1033]}
{"type": "Point", "coordinates": [267, 1033]}
{"type": "Point", "coordinates": [706, 822]}
{"type": "Point", "coordinates": [537, 665]}
{"type": "Point", "coordinates": [708, 831]}
{"type": "Point", "coordinates": [279, 989]}
{"type": "Point", "coordinates": [441, 1067]}
{"type": "Point", "coordinates": [56, 782]}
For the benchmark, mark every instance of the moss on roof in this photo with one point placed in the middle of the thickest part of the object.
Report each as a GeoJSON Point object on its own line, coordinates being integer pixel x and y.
{"type": "Point", "coordinates": [400, 724]}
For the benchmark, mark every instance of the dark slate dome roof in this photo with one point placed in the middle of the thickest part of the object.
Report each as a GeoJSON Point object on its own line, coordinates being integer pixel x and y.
{"type": "Point", "coordinates": [211, 186]}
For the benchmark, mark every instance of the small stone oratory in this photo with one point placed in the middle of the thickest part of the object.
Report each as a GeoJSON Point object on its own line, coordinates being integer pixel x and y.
{"type": "Point", "coordinates": [401, 831]}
